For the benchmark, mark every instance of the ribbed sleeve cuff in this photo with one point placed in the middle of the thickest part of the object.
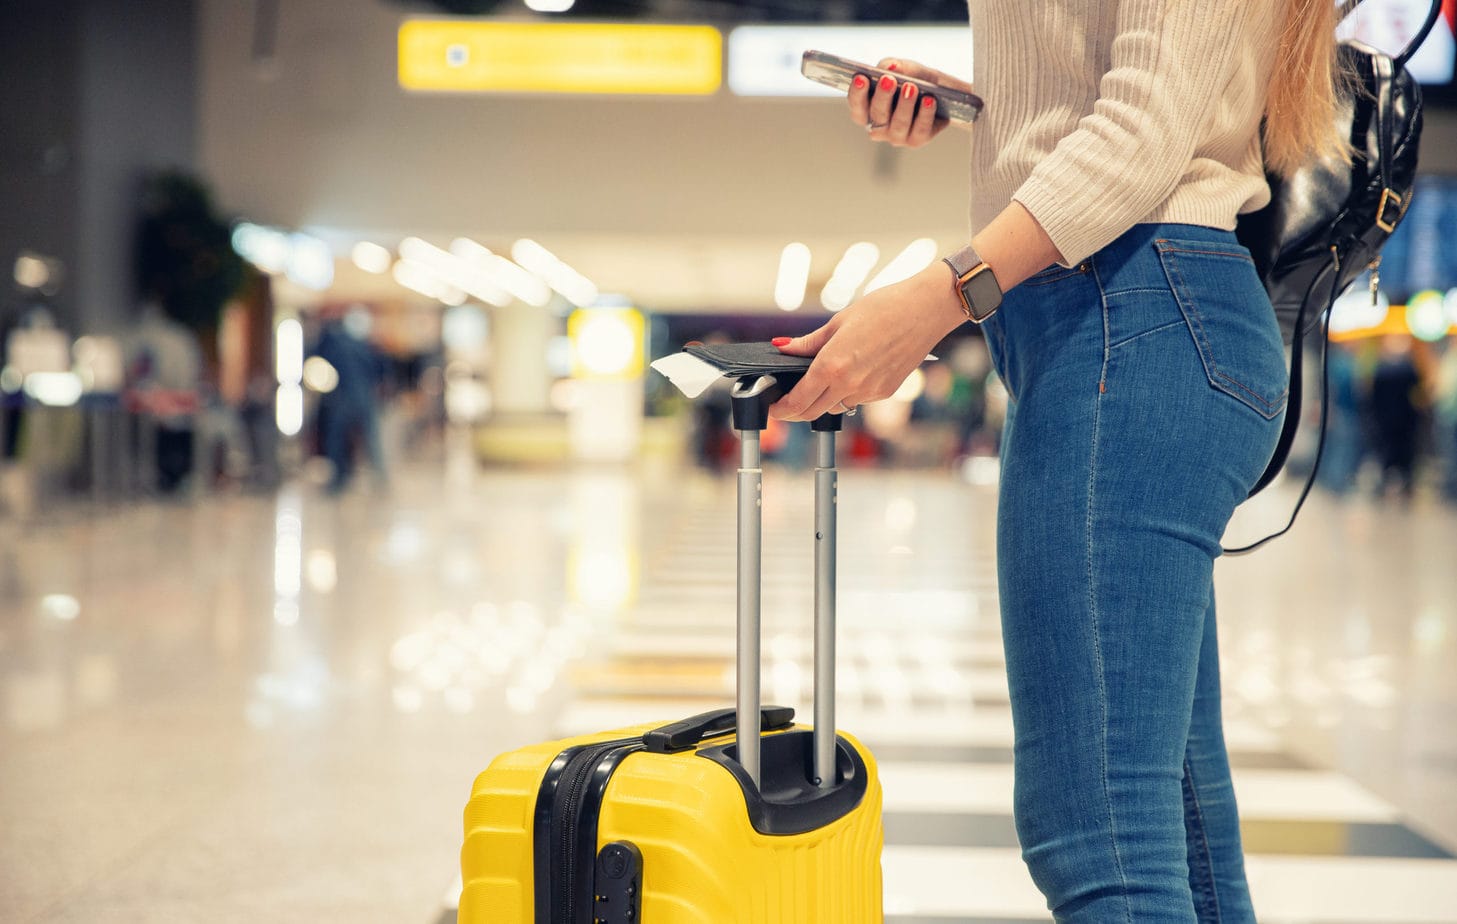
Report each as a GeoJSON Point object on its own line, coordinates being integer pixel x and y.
{"type": "Point", "coordinates": [1059, 213]}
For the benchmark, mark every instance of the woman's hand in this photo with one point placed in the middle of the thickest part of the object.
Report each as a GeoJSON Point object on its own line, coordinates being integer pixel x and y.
{"type": "Point", "coordinates": [911, 122]}
{"type": "Point", "coordinates": [866, 351]}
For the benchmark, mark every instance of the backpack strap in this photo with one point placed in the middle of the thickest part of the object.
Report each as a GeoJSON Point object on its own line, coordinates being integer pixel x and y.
{"type": "Point", "coordinates": [1433, 15]}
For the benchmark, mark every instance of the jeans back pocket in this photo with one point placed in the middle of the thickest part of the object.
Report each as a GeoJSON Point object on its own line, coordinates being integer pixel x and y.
{"type": "Point", "coordinates": [1230, 318]}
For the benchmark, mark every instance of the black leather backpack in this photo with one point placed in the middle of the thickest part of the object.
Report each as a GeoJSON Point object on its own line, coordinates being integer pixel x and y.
{"type": "Point", "coordinates": [1326, 225]}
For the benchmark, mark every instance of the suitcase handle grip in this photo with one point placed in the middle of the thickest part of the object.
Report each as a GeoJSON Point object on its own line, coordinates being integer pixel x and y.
{"type": "Point", "coordinates": [680, 736]}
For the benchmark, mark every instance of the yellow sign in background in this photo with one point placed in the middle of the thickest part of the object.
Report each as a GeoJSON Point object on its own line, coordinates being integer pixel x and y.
{"type": "Point", "coordinates": [467, 56]}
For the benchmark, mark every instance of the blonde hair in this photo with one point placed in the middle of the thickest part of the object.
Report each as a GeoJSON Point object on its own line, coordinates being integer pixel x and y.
{"type": "Point", "coordinates": [1305, 90]}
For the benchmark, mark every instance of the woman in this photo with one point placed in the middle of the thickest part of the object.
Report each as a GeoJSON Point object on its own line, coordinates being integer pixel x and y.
{"type": "Point", "coordinates": [1120, 140]}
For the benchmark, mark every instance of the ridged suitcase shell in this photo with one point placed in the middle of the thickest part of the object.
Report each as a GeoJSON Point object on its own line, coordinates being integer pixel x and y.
{"type": "Point", "coordinates": [703, 862]}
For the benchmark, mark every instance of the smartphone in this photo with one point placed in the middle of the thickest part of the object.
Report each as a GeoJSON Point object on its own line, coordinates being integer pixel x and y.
{"type": "Point", "coordinates": [835, 71]}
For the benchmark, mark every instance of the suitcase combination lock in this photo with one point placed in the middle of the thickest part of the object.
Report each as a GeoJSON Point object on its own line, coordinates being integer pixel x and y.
{"type": "Point", "coordinates": [618, 885]}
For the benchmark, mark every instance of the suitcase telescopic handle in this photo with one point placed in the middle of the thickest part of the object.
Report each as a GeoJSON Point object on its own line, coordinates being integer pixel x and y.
{"type": "Point", "coordinates": [751, 399]}
{"type": "Point", "coordinates": [680, 736]}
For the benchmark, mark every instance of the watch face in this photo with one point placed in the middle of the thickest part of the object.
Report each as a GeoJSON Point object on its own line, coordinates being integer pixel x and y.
{"type": "Point", "coordinates": [982, 293]}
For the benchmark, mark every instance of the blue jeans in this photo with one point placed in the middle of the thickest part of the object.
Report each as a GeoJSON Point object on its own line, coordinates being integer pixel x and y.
{"type": "Point", "coordinates": [1147, 392]}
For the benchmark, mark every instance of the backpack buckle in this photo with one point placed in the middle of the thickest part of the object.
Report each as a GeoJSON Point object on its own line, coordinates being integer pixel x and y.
{"type": "Point", "coordinates": [1384, 220]}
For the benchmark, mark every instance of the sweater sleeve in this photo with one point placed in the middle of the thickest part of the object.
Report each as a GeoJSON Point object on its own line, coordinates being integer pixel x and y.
{"type": "Point", "coordinates": [1169, 64]}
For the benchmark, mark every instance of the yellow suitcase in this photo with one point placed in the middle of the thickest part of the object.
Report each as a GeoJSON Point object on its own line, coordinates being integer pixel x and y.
{"type": "Point", "coordinates": [683, 824]}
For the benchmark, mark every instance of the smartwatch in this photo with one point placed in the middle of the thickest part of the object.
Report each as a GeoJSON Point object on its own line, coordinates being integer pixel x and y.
{"type": "Point", "coordinates": [976, 284]}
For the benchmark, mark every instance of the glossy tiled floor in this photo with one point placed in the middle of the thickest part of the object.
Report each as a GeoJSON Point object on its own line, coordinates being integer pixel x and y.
{"type": "Point", "coordinates": [271, 708]}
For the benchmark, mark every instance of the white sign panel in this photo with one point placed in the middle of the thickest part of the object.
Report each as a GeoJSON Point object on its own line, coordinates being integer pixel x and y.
{"type": "Point", "coordinates": [764, 60]}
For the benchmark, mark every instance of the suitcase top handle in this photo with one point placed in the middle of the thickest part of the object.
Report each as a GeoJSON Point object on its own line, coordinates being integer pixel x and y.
{"type": "Point", "coordinates": [680, 736]}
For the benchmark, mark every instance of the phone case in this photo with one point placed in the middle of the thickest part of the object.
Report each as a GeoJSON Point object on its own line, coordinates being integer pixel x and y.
{"type": "Point", "coordinates": [835, 71]}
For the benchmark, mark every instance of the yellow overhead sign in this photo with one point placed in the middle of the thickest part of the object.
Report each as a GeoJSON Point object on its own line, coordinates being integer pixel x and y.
{"type": "Point", "coordinates": [465, 56]}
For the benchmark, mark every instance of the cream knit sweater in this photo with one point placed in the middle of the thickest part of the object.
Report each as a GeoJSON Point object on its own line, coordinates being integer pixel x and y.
{"type": "Point", "coordinates": [1103, 114]}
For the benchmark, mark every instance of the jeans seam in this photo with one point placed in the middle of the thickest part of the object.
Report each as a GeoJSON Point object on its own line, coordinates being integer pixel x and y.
{"type": "Point", "coordinates": [1210, 896]}
{"type": "Point", "coordinates": [1147, 333]}
{"type": "Point", "coordinates": [1093, 603]}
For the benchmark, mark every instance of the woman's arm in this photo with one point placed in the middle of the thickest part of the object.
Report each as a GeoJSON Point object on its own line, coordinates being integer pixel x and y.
{"type": "Point", "coordinates": [866, 351]}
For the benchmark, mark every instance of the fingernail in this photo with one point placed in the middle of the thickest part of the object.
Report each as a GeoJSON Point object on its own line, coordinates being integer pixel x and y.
{"type": "Point", "coordinates": [887, 83]}
{"type": "Point", "coordinates": [860, 81]}
{"type": "Point", "coordinates": [928, 102]}
{"type": "Point", "coordinates": [781, 341]}
{"type": "Point", "coordinates": [892, 66]}
{"type": "Point", "coordinates": [909, 91]}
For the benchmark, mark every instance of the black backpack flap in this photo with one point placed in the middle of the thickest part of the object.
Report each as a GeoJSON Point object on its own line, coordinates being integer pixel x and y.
{"type": "Point", "coordinates": [1329, 204]}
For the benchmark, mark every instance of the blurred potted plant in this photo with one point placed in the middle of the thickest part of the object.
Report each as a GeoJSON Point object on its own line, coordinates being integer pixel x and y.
{"type": "Point", "coordinates": [185, 261]}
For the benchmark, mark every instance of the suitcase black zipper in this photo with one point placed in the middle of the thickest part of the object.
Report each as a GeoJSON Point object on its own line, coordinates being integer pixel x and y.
{"type": "Point", "coordinates": [566, 817]}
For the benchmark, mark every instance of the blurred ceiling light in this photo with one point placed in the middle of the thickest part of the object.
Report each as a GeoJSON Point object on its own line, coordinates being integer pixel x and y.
{"type": "Point", "coordinates": [573, 286]}
{"type": "Point", "coordinates": [371, 257]}
{"type": "Point", "coordinates": [54, 389]}
{"type": "Point", "coordinates": [916, 257]}
{"type": "Point", "coordinates": [502, 272]}
{"type": "Point", "coordinates": [31, 271]}
{"type": "Point", "coordinates": [550, 6]}
{"type": "Point", "coordinates": [265, 248]}
{"type": "Point", "coordinates": [320, 375]}
{"type": "Point", "coordinates": [418, 278]}
{"type": "Point", "coordinates": [794, 265]}
{"type": "Point", "coordinates": [849, 273]}
{"type": "Point", "coordinates": [310, 262]}
{"type": "Point", "coordinates": [453, 272]}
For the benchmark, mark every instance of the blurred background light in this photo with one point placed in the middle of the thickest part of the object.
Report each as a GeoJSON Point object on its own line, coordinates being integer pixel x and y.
{"type": "Point", "coordinates": [54, 389]}
{"type": "Point", "coordinates": [319, 375]}
{"type": "Point", "coordinates": [794, 264]}
{"type": "Point", "coordinates": [290, 409]}
{"type": "Point", "coordinates": [310, 262]}
{"type": "Point", "coordinates": [550, 6]}
{"type": "Point", "coordinates": [1426, 316]}
{"type": "Point", "coordinates": [62, 607]}
{"type": "Point", "coordinates": [266, 248]}
{"type": "Point", "coordinates": [917, 256]}
{"type": "Point", "coordinates": [1355, 310]}
{"type": "Point", "coordinates": [288, 349]}
{"type": "Point", "coordinates": [607, 343]}
{"type": "Point", "coordinates": [859, 259]}
{"type": "Point", "coordinates": [570, 284]}
{"type": "Point", "coordinates": [501, 272]}
{"type": "Point", "coordinates": [31, 271]}
{"type": "Point", "coordinates": [372, 257]}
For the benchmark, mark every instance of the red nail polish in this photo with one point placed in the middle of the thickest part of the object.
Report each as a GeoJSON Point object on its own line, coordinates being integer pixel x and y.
{"type": "Point", "coordinates": [887, 83]}
{"type": "Point", "coordinates": [781, 341]}
{"type": "Point", "coordinates": [860, 81]}
{"type": "Point", "coordinates": [892, 66]}
{"type": "Point", "coordinates": [909, 91]}
{"type": "Point", "coordinates": [928, 102]}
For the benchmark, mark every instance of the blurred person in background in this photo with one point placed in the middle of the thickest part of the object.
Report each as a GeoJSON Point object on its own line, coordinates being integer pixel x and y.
{"type": "Point", "coordinates": [1345, 436]}
{"type": "Point", "coordinates": [165, 374]}
{"type": "Point", "coordinates": [350, 411]}
{"type": "Point", "coordinates": [1395, 414]}
{"type": "Point", "coordinates": [1445, 420]}
{"type": "Point", "coordinates": [1104, 265]}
